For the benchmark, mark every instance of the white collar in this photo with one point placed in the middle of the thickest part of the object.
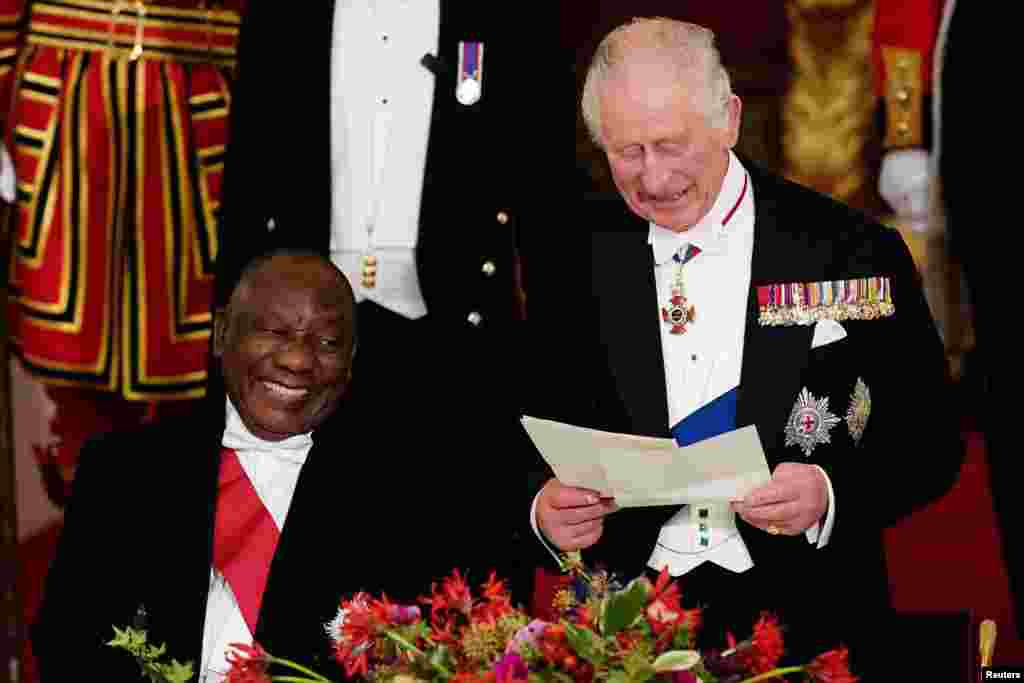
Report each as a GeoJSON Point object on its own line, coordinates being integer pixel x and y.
{"type": "Point", "coordinates": [237, 436]}
{"type": "Point", "coordinates": [712, 231]}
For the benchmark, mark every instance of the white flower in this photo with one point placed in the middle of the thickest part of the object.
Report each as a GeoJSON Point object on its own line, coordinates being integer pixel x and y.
{"type": "Point", "coordinates": [334, 627]}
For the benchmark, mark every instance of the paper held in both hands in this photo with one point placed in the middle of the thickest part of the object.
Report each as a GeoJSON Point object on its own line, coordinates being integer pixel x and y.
{"type": "Point", "coordinates": [642, 470]}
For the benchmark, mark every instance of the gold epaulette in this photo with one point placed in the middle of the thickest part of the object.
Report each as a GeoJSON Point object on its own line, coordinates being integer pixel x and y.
{"type": "Point", "coordinates": [904, 97]}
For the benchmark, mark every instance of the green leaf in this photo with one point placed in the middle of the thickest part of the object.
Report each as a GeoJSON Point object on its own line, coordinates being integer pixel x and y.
{"type": "Point", "coordinates": [439, 660]}
{"type": "Point", "coordinates": [120, 638]}
{"type": "Point", "coordinates": [583, 642]}
{"type": "Point", "coordinates": [154, 652]}
{"type": "Point", "coordinates": [682, 640]}
{"type": "Point", "coordinates": [676, 660]}
{"type": "Point", "coordinates": [176, 672]}
{"type": "Point", "coordinates": [618, 677]}
{"type": "Point", "coordinates": [148, 656]}
{"type": "Point", "coordinates": [622, 608]}
{"type": "Point", "coordinates": [421, 630]}
{"type": "Point", "coordinates": [570, 560]}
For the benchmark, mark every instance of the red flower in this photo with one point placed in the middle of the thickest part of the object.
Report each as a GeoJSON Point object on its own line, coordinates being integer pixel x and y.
{"type": "Point", "coordinates": [356, 664]}
{"type": "Point", "coordinates": [470, 677]}
{"type": "Point", "coordinates": [249, 664]}
{"type": "Point", "coordinates": [627, 640]}
{"type": "Point", "coordinates": [494, 588]}
{"type": "Point", "coordinates": [362, 621]}
{"type": "Point", "coordinates": [553, 644]}
{"type": "Point", "coordinates": [453, 595]}
{"type": "Point", "coordinates": [692, 620]}
{"type": "Point", "coordinates": [583, 617]}
{"type": "Point", "coordinates": [666, 591]}
{"type": "Point", "coordinates": [496, 601]}
{"type": "Point", "coordinates": [832, 667]}
{"type": "Point", "coordinates": [584, 673]}
{"type": "Point", "coordinates": [765, 648]}
{"type": "Point", "coordinates": [456, 592]}
{"type": "Point", "coordinates": [444, 633]}
{"type": "Point", "coordinates": [664, 611]}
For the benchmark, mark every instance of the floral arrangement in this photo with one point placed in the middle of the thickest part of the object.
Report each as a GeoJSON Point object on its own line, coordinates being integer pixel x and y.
{"type": "Point", "coordinates": [604, 632]}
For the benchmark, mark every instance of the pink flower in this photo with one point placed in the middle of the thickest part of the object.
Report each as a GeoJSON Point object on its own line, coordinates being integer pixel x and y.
{"type": "Point", "coordinates": [511, 668]}
{"type": "Point", "coordinates": [527, 635]}
{"type": "Point", "coordinates": [684, 677]}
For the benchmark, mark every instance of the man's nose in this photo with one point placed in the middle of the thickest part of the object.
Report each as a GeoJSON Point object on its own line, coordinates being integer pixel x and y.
{"type": "Point", "coordinates": [296, 355]}
{"type": "Point", "coordinates": [655, 175]}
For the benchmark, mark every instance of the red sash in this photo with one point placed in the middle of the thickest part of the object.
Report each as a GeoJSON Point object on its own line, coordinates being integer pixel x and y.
{"type": "Point", "coordinates": [245, 537]}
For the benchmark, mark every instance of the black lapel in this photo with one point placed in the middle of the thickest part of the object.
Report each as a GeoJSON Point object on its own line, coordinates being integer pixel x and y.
{"type": "Point", "coordinates": [189, 582]}
{"type": "Point", "coordinates": [629, 325]}
{"type": "Point", "coordinates": [308, 572]}
{"type": "Point", "coordinates": [773, 357]}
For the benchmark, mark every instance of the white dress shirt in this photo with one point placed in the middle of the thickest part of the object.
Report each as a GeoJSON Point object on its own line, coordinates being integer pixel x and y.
{"type": "Point", "coordinates": [273, 468]}
{"type": "Point", "coordinates": [705, 362]}
{"type": "Point", "coordinates": [381, 104]}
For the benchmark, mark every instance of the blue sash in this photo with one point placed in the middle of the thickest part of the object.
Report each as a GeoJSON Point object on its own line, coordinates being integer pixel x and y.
{"type": "Point", "coordinates": [711, 419]}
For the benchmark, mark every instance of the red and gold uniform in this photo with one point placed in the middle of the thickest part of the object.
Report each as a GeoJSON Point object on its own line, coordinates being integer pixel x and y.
{"type": "Point", "coordinates": [904, 38]}
{"type": "Point", "coordinates": [117, 125]}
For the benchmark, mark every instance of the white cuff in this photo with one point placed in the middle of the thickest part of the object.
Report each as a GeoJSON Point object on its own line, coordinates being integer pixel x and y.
{"type": "Point", "coordinates": [817, 533]}
{"type": "Point", "coordinates": [536, 530]}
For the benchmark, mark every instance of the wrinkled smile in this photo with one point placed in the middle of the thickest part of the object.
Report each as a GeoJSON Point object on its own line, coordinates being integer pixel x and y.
{"type": "Point", "coordinates": [285, 392]}
{"type": "Point", "coordinates": [663, 199]}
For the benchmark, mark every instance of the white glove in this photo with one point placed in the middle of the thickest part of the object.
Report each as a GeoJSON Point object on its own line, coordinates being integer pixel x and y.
{"type": "Point", "coordinates": [8, 178]}
{"type": "Point", "coordinates": [904, 183]}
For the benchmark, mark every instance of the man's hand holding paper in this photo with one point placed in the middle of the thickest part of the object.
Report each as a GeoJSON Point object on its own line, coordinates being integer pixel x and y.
{"type": "Point", "coordinates": [572, 518]}
{"type": "Point", "coordinates": [794, 500]}
{"type": "Point", "coordinates": [598, 472]}
{"type": "Point", "coordinates": [640, 470]}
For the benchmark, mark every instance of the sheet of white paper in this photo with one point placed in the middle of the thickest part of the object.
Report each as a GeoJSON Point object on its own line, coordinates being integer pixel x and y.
{"type": "Point", "coordinates": [641, 470]}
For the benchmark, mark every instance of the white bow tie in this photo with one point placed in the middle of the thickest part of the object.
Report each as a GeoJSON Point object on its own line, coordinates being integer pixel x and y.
{"type": "Point", "coordinates": [237, 436]}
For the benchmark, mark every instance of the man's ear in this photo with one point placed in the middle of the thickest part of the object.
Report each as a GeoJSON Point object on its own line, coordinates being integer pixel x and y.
{"type": "Point", "coordinates": [220, 331]}
{"type": "Point", "coordinates": [734, 110]}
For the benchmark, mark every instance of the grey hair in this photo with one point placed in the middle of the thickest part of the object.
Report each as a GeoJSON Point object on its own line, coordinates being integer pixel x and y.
{"type": "Point", "coordinates": [690, 48]}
